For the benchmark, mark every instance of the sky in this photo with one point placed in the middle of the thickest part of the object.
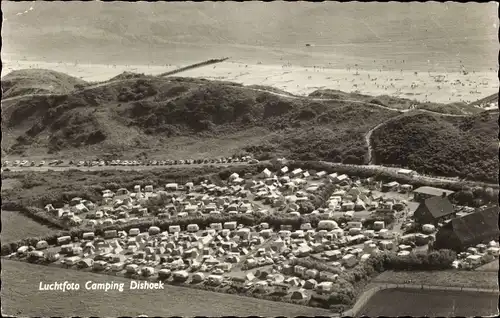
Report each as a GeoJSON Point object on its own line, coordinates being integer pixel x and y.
{"type": "Point", "coordinates": [422, 34]}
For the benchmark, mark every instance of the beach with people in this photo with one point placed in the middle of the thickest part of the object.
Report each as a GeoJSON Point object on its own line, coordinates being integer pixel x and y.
{"type": "Point", "coordinates": [434, 85]}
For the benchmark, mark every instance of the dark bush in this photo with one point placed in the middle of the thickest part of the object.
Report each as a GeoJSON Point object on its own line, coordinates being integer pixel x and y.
{"type": "Point", "coordinates": [465, 147]}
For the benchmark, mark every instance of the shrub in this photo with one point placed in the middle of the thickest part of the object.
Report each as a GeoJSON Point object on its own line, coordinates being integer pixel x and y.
{"type": "Point", "coordinates": [306, 207]}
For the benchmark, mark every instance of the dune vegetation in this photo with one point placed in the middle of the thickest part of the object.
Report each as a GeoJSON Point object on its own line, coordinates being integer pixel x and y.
{"type": "Point", "coordinates": [454, 146]}
{"type": "Point", "coordinates": [38, 81]}
{"type": "Point", "coordinates": [167, 115]}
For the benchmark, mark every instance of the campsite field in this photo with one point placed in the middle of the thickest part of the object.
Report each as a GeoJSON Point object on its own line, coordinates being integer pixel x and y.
{"type": "Point", "coordinates": [21, 297]}
{"type": "Point", "coordinates": [430, 303]}
{"type": "Point", "coordinates": [16, 226]}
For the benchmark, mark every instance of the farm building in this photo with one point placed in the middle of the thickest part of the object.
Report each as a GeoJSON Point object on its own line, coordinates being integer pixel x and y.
{"type": "Point", "coordinates": [423, 193]}
{"type": "Point", "coordinates": [433, 210]}
{"type": "Point", "coordinates": [469, 230]}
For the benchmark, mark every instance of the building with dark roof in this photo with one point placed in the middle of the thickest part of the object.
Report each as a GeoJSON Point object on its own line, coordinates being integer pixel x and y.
{"type": "Point", "coordinates": [423, 193]}
{"type": "Point", "coordinates": [469, 230]}
{"type": "Point", "coordinates": [434, 210]}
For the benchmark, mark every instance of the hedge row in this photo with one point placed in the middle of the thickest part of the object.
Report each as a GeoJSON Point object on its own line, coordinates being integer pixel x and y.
{"type": "Point", "coordinates": [348, 283]}
{"type": "Point", "coordinates": [39, 215]}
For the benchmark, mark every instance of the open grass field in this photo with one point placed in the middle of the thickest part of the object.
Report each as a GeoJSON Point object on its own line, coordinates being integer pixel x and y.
{"type": "Point", "coordinates": [16, 226]}
{"type": "Point", "coordinates": [430, 303]}
{"type": "Point", "coordinates": [450, 278]}
{"type": "Point", "coordinates": [21, 297]}
{"type": "Point", "coordinates": [490, 267]}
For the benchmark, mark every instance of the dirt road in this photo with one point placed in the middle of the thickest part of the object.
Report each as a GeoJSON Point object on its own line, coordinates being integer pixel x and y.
{"type": "Point", "coordinates": [124, 168]}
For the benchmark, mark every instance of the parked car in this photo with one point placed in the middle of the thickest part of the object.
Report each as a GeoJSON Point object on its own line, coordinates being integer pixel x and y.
{"type": "Point", "coordinates": [218, 271]}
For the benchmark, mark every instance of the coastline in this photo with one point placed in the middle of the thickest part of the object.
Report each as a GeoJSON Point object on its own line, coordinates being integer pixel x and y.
{"type": "Point", "coordinates": [422, 86]}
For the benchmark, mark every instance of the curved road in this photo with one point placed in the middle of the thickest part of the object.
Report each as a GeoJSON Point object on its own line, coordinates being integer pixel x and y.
{"type": "Point", "coordinates": [124, 168]}
{"type": "Point", "coordinates": [368, 139]}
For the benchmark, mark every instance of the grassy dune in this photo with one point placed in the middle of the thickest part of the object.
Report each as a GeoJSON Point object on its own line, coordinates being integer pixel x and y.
{"type": "Point", "coordinates": [21, 297]}
{"type": "Point", "coordinates": [465, 147]}
{"type": "Point", "coordinates": [36, 81]}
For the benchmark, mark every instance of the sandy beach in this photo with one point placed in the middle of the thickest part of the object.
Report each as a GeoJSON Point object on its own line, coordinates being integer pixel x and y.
{"type": "Point", "coordinates": [421, 86]}
{"type": "Point", "coordinates": [416, 85]}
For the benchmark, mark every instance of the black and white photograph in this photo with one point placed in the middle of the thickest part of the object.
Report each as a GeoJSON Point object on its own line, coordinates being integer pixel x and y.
{"type": "Point", "coordinates": [223, 158]}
